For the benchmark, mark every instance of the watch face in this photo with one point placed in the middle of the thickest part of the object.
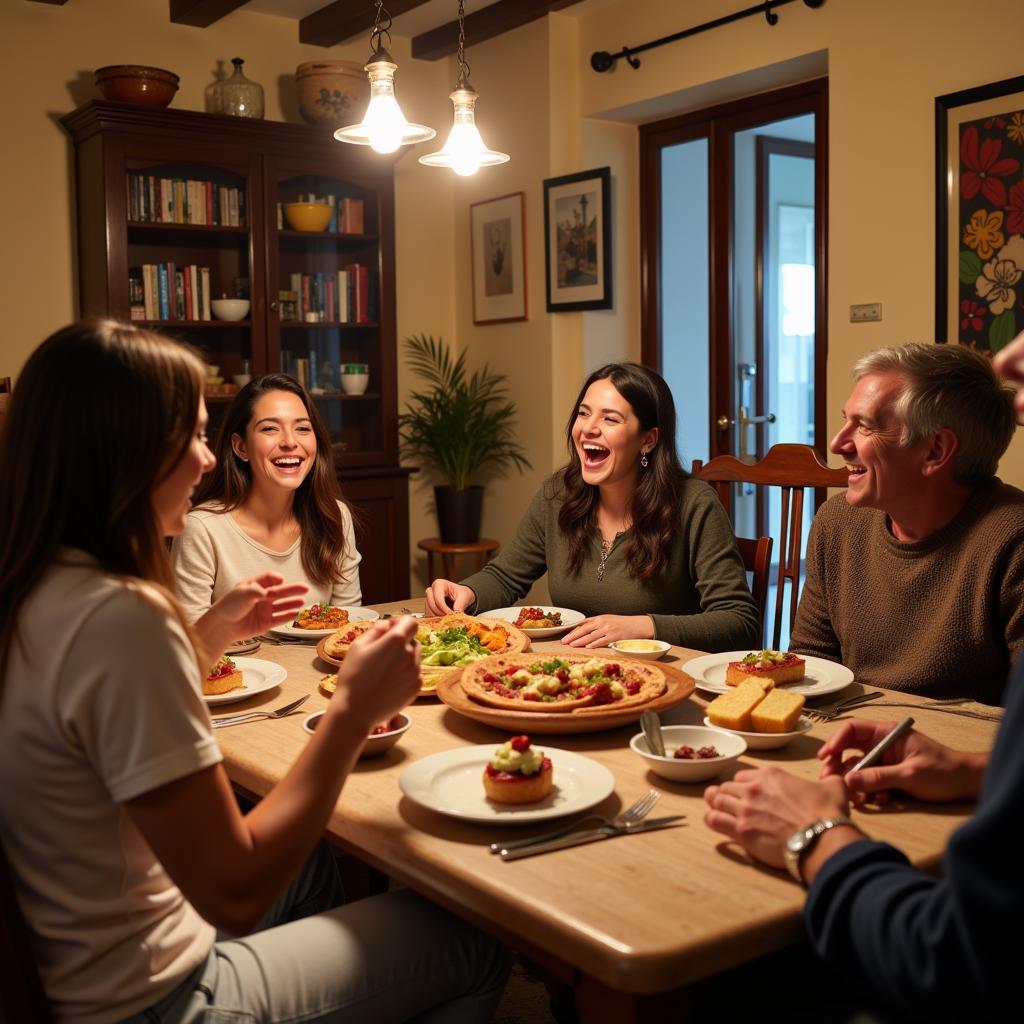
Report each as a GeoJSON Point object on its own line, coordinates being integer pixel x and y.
{"type": "Point", "coordinates": [798, 840]}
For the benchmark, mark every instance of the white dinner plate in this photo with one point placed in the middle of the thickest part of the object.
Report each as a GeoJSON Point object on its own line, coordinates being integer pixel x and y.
{"type": "Point", "coordinates": [451, 783]}
{"type": "Point", "coordinates": [570, 618]}
{"type": "Point", "coordinates": [766, 740]}
{"type": "Point", "coordinates": [354, 615]}
{"type": "Point", "coordinates": [821, 677]}
{"type": "Point", "coordinates": [257, 675]}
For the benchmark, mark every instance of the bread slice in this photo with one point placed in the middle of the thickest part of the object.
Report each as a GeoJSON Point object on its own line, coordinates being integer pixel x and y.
{"type": "Point", "coordinates": [515, 788]}
{"type": "Point", "coordinates": [778, 712]}
{"type": "Point", "coordinates": [733, 710]}
{"type": "Point", "coordinates": [778, 666]}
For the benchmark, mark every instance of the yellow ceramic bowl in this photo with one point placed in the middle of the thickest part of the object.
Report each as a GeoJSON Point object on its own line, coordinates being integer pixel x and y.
{"type": "Point", "coordinates": [307, 216]}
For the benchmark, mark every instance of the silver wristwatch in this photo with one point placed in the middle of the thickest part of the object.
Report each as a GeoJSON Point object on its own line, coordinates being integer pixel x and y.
{"type": "Point", "coordinates": [804, 838]}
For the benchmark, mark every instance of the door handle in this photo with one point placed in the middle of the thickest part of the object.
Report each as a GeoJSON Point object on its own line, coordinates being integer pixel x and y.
{"type": "Point", "coordinates": [743, 421]}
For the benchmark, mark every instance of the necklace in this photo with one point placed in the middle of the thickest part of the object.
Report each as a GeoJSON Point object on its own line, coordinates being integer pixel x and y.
{"type": "Point", "coordinates": [606, 550]}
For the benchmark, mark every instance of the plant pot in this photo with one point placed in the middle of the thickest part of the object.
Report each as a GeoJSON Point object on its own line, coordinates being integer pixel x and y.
{"type": "Point", "coordinates": [459, 513]}
{"type": "Point", "coordinates": [332, 93]}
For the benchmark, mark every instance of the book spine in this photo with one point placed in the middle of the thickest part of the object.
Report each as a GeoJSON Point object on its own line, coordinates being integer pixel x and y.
{"type": "Point", "coordinates": [205, 291]}
{"type": "Point", "coordinates": [179, 296]}
{"type": "Point", "coordinates": [208, 202]}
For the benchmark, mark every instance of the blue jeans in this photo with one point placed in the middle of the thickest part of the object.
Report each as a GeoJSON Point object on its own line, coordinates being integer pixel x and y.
{"type": "Point", "coordinates": [394, 957]}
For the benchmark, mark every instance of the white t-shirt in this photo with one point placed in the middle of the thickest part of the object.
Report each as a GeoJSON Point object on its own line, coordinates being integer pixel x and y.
{"type": "Point", "coordinates": [214, 553]}
{"type": "Point", "coordinates": [100, 703]}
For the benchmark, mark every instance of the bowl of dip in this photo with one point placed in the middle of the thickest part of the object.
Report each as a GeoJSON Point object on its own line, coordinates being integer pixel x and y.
{"type": "Point", "coordinates": [646, 650]}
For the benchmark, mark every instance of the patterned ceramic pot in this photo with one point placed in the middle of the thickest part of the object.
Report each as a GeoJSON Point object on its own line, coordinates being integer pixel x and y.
{"type": "Point", "coordinates": [332, 92]}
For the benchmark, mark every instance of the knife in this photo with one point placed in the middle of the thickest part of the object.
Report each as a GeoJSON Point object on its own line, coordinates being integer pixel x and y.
{"type": "Point", "coordinates": [591, 835]}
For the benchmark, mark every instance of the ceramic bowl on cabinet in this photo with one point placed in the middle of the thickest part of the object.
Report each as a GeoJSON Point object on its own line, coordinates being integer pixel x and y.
{"type": "Point", "coordinates": [230, 309]}
{"type": "Point", "coordinates": [307, 216]}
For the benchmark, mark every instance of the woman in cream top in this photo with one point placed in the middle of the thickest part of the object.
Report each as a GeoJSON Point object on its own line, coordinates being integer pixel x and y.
{"type": "Point", "coordinates": [271, 504]}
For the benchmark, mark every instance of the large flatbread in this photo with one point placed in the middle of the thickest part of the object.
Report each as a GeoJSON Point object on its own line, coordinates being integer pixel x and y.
{"type": "Point", "coordinates": [578, 683]}
{"type": "Point", "coordinates": [337, 644]}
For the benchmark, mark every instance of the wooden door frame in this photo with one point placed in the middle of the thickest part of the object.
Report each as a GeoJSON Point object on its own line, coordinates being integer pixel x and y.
{"type": "Point", "coordinates": [718, 124]}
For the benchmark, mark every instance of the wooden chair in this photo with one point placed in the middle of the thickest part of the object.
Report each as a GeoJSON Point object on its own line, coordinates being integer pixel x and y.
{"type": "Point", "coordinates": [21, 990]}
{"type": "Point", "coordinates": [5, 396]}
{"type": "Point", "coordinates": [757, 559]}
{"type": "Point", "coordinates": [793, 468]}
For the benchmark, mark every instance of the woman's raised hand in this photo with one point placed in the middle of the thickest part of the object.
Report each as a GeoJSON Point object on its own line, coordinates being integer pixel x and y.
{"type": "Point", "coordinates": [601, 630]}
{"type": "Point", "coordinates": [443, 597]}
{"type": "Point", "coordinates": [915, 764]}
{"type": "Point", "coordinates": [380, 674]}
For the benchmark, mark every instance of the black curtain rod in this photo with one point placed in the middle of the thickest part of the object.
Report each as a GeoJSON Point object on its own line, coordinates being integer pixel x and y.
{"type": "Point", "coordinates": [602, 60]}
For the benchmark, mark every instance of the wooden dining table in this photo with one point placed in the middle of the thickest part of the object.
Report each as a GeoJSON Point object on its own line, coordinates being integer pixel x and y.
{"type": "Point", "coordinates": [621, 920]}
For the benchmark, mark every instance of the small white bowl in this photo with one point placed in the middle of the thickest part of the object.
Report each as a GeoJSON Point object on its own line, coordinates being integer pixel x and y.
{"type": "Point", "coordinates": [354, 383]}
{"type": "Point", "coordinates": [241, 379]}
{"type": "Point", "coordinates": [765, 740]}
{"type": "Point", "coordinates": [376, 744]}
{"type": "Point", "coordinates": [650, 651]}
{"type": "Point", "coordinates": [230, 309]}
{"type": "Point", "coordinates": [728, 745]}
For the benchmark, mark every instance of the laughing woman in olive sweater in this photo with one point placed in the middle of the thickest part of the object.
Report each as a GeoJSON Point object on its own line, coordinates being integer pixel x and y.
{"type": "Point", "coordinates": [624, 533]}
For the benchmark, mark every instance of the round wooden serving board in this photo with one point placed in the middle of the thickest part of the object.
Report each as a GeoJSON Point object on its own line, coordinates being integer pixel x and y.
{"type": "Point", "coordinates": [680, 686]}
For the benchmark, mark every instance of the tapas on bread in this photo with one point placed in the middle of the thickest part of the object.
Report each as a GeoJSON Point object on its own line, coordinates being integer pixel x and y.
{"type": "Point", "coordinates": [565, 683]}
{"type": "Point", "coordinates": [538, 618]}
{"type": "Point", "coordinates": [518, 773]}
{"type": "Point", "coordinates": [321, 616]}
{"type": "Point", "coordinates": [257, 676]}
{"type": "Point", "coordinates": [223, 677]}
{"type": "Point", "coordinates": [565, 618]}
{"type": "Point", "coordinates": [778, 666]}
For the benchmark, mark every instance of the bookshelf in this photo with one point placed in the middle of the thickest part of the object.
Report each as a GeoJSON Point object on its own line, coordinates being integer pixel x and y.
{"type": "Point", "coordinates": [175, 207]}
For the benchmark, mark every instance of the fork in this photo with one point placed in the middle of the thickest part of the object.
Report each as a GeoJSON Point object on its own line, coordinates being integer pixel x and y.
{"type": "Point", "coordinates": [833, 710]}
{"type": "Point", "coordinates": [252, 716]}
{"type": "Point", "coordinates": [630, 816]}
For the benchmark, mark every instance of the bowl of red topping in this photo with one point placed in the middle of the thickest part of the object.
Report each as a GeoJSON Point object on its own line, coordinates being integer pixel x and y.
{"type": "Point", "coordinates": [381, 739]}
{"type": "Point", "coordinates": [693, 753]}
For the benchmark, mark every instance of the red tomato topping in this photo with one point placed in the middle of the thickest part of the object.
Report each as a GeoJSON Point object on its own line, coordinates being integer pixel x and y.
{"type": "Point", "coordinates": [520, 743]}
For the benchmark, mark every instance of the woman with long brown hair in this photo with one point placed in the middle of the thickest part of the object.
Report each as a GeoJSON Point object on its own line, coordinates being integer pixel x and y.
{"type": "Point", "coordinates": [126, 845]}
{"type": "Point", "coordinates": [271, 503]}
{"type": "Point", "coordinates": [624, 533]}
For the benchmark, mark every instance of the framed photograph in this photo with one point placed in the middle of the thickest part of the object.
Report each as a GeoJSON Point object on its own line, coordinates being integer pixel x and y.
{"type": "Point", "coordinates": [979, 205]}
{"type": "Point", "coordinates": [578, 241]}
{"type": "Point", "coordinates": [498, 233]}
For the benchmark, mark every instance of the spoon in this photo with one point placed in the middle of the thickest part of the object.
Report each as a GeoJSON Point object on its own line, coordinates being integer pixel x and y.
{"type": "Point", "coordinates": [651, 726]}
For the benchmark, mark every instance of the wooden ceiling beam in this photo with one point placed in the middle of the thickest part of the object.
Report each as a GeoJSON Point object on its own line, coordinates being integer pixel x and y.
{"type": "Point", "coordinates": [202, 13]}
{"type": "Point", "coordinates": [55, 3]}
{"type": "Point", "coordinates": [344, 19]}
{"type": "Point", "coordinates": [486, 23]}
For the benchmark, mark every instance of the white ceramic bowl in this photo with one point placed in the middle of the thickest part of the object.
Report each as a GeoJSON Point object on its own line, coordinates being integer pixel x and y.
{"type": "Point", "coordinates": [375, 744]}
{"type": "Point", "coordinates": [354, 383]}
{"type": "Point", "coordinates": [230, 309]}
{"type": "Point", "coordinates": [241, 379]}
{"type": "Point", "coordinates": [646, 650]}
{"type": "Point", "coordinates": [765, 740]}
{"type": "Point", "coordinates": [728, 745]}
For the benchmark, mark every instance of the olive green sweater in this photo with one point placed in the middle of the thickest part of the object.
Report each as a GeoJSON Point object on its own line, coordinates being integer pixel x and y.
{"type": "Point", "coordinates": [701, 599]}
{"type": "Point", "coordinates": [943, 617]}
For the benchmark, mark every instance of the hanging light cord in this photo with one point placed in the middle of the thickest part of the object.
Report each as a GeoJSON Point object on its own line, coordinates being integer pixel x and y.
{"type": "Point", "coordinates": [463, 65]}
{"type": "Point", "coordinates": [381, 27]}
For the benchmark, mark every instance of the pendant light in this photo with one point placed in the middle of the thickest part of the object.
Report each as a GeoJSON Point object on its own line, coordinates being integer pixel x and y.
{"type": "Point", "coordinates": [464, 152]}
{"type": "Point", "coordinates": [383, 127]}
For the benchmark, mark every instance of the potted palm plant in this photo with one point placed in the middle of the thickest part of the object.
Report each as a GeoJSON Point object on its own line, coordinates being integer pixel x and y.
{"type": "Point", "coordinates": [460, 429]}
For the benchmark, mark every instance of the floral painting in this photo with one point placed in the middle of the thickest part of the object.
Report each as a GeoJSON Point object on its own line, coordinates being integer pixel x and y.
{"type": "Point", "coordinates": [980, 297]}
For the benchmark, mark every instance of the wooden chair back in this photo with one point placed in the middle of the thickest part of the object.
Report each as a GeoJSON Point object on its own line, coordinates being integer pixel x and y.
{"type": "Point", "coordinates": [5, 395]}
{"type": "Point", "coordinates": [792, 468]}
{"type": "Point", "coordinates": [21, 990]}
{"type": "Point", "coordinates": [757, 559]}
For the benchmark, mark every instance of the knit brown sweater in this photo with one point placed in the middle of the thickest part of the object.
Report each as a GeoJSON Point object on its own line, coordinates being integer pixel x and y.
{"type": "Point", "coordinates": [942, 617]}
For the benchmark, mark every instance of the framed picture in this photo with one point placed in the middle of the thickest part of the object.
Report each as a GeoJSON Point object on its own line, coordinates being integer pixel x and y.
{"type": "Point", "coordinates": [498, 233]}
{"type": "Point", "coordinates": [979, 204]}
{"type": "Point", "coordinates": [578, 241]}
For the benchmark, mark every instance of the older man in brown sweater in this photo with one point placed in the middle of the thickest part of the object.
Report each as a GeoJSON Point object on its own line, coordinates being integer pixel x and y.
{"type": "Point", "coordinates": [915, 576]}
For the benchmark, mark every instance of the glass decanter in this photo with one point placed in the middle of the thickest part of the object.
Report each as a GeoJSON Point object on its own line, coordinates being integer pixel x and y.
{"type": "Point", "coordinates": [240, 96]}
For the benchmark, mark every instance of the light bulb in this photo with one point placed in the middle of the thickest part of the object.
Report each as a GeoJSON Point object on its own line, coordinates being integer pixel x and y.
{"type": "Point", "coordinates": [384, 123]}
{"type": "Point", "coordinates": [464, 152]}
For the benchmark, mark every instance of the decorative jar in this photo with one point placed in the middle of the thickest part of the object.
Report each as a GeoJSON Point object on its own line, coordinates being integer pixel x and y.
{"type": "Point", "coordinates": [238, 96]}
{"type": "Point", "coordinates": [332, 93]}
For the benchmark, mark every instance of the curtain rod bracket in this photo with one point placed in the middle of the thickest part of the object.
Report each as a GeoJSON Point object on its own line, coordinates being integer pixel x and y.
{"type": "Point", "coordinates": [602, 60]}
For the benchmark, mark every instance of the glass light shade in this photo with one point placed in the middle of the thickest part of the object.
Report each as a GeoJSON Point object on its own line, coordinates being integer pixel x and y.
{"type": "Point", "coordinates": [464, 152]}
{"type": "Point", "coordinates": [384, 127]}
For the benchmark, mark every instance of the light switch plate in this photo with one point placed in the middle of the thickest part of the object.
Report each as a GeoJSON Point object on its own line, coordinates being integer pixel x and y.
{"type": "Point", "coordinates": [865, 311]}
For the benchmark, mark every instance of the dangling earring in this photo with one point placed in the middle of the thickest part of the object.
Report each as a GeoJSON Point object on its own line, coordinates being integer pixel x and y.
{"type": "Point", "coordinates": [643, 458]}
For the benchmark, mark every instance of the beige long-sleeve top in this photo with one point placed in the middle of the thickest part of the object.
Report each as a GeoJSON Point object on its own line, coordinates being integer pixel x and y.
{"type": "Point", "coordinates": [942, 617]}
{"type": "Point", "coordinates": [214, 553]}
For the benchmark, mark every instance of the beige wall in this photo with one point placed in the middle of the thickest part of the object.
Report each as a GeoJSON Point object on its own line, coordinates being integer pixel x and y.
{"type": "Point", "coordinates": [539, 101]}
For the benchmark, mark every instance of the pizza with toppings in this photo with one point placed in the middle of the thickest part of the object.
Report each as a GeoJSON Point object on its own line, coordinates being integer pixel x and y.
{"type": "Point", "coordinates": [576, 683]}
